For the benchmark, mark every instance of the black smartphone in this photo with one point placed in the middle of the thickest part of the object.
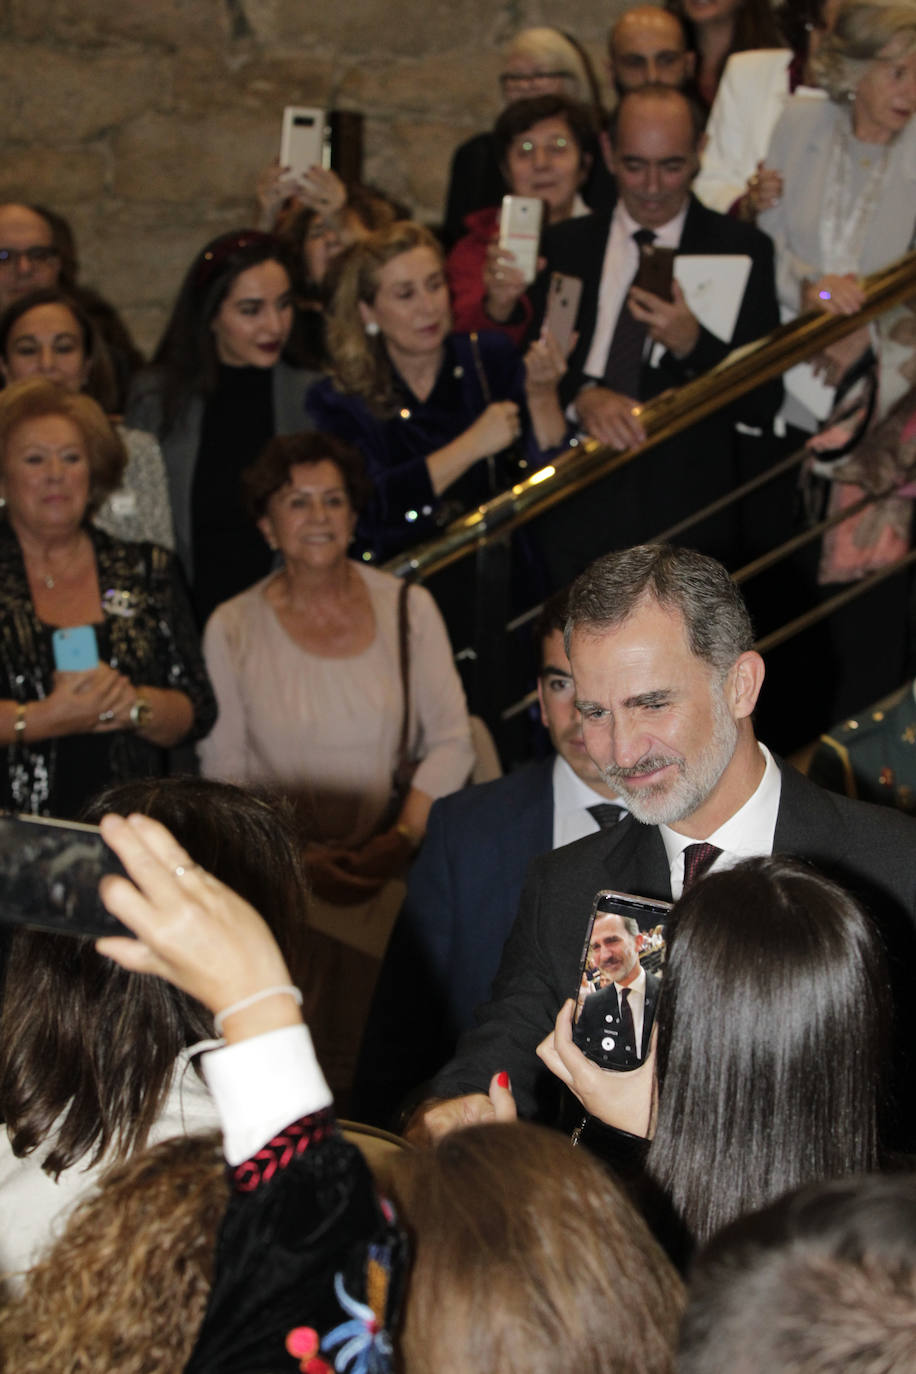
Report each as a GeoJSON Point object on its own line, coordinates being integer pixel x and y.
{"type": "Point", "coordinates": [620, 978]}
{"type": "Point", "coordinates": [656, 271]}
{"type": "Point", "coordinates": [49, 876]}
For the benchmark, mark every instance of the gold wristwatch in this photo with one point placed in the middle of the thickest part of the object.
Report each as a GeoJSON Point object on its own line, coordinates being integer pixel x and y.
{"type": "Point", "coordinates": [141, 713]}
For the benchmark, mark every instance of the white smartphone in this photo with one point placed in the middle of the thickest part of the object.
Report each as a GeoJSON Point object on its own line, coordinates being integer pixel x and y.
{"type": "Point", "coordinates": [305, 140]}
{"type": "Point", "coordinates": [563, 296]}
{"type": "Point", "coordinates": [520, 231]}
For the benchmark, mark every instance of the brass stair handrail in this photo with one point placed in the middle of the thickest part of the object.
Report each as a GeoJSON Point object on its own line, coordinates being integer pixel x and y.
{"type": "Point", "coordinates": [664, 416]}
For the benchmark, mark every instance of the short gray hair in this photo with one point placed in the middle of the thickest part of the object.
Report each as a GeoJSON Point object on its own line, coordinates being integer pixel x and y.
{"type": "Point", "coordinates": [693, 584]}
{"type": "Point", "coordinates": [861, 30]}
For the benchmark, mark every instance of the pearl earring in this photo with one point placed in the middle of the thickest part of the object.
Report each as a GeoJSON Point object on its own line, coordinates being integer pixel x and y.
{"type": "Point", "coordinates": [372, 328]}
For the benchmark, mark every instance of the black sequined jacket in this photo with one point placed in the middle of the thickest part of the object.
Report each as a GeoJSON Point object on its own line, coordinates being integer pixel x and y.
{"type": "Point", "coordinates": [148, 634]}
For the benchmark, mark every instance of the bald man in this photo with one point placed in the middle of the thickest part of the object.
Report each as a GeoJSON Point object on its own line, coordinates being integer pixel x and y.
{"type": "Point", "coordinates": [648, 45]}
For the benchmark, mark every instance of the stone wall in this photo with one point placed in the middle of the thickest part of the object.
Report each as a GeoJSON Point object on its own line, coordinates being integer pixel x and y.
{"type": "Point", "coordinates": [146, 122]}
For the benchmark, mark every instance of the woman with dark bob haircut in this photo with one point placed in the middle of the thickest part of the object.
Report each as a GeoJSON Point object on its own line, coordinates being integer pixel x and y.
{"type": "Point", "coordinates": [310, 679]}
{"type": "Point", "coordinates": [93, 1059]}
{"type": "Point", "coordinates": [772, 1028]}
{"type": "Point", "coordinates": [216, 392]}
{"type": "Point", "coordinates": [139, 687]}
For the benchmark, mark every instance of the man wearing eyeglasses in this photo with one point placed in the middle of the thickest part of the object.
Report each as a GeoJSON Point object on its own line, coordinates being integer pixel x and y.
{"type": "Point", "coordinates": [37, 253]}
{"type": "Point", "coordinates": [29, 258]}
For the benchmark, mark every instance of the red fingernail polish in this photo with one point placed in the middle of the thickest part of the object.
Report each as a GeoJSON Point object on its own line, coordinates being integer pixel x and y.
{"type": "Point", "coordinates": [503, 1079]}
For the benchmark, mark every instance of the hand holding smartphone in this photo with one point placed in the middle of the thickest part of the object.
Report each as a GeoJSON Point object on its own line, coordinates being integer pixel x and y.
{"type": "Point", "coordinates": [520, 222]}
{"type": "Point", "coordinates": [304, 139]}
{"type": "Point", "coordinates": [75, 649]}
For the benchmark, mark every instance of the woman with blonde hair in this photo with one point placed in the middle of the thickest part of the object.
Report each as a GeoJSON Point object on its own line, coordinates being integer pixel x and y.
{"type": "Point", "coordinates": [443, 420]}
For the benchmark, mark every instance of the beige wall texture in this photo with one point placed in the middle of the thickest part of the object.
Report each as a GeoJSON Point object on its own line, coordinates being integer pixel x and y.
{"type": "Point", "coordinates": [146, 122]}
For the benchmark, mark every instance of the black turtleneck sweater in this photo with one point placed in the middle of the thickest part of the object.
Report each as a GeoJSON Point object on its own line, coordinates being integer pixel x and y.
{"type": "Point", "coordinates": [229, 551]}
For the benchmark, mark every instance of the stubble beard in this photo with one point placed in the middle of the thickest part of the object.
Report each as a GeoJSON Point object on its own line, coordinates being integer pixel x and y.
{"type": "Point", "coordinates": [669, 801]}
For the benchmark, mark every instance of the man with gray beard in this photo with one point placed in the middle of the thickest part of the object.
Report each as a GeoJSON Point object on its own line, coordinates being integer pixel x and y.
{"type": "Point", "coordinates": [667, 679]}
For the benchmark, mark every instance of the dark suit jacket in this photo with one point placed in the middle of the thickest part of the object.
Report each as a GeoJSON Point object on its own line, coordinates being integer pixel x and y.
{"type": "Point", "coordinates": [675, 479]}
{"type": "Point", "coordinates": [462, 897]}
{"type": "Point", "coordinates": [870, 850]}
{"type": "Point", "coordinates": [577, 247]}
{"type": "Point", "coordinates": [601, 1014]}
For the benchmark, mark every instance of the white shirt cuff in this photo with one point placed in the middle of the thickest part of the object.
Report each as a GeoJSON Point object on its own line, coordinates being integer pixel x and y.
{"type": "Point", "coordinates": [261, 1085]}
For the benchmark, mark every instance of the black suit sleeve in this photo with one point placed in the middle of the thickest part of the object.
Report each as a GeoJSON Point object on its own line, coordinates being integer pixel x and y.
{"type": "Point", "coordinates": [759, 314]}
{"type": "Point", "coordinates": [411, 1031]}
{"type": "Point", "coordinates": [530, 987]}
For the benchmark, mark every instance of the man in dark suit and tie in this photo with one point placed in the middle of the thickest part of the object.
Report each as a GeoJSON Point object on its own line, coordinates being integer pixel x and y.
{"type": "Point", "coordinates": [615, 1022]}
{"type": "Point", "coordinates": [464, 888]}
{"type": "Point", "coordinates": [667, 679]}
{"type": "Point", "coordinates": [632, 343]}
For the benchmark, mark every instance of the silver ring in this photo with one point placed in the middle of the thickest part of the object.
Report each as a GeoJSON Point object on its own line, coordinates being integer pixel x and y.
{"type": "Point", "coordinates": [181, 870]}
{"type": "Point", "coordinates": [106, 715]}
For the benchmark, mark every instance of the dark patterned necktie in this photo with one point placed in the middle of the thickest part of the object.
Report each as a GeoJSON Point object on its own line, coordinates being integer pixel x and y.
{"type": "Point", "coordinates": [605, 813]}
{"type": "Point", "coordinates": [624, 359]}
{"type": "Point", "coordinates": [627, 1025]}
{"type": "Point", "coordinates": [697, 858]}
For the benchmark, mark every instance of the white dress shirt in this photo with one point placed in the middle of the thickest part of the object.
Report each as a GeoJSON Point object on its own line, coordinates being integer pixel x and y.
{"type": "Point", "coordinates": [621, 259]}
{"type": "Point", "coordinates": [571, 799]}
{"type": "Point", "coordinates": [748, 834]}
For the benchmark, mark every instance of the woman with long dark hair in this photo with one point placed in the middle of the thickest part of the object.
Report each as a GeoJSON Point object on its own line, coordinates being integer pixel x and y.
{"type": "Point", "coordinates": [772, 1026]}
{"type": "Point", "coordinates": [216, 392]}
{"type": "Point", "coordinates": [93, 1059]}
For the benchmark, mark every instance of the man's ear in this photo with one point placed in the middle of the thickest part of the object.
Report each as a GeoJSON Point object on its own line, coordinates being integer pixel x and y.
{"type": "Point", "coordinates": [607, 152]}
{"type": "Point", "coordinates": [541, 702]}
{"type": "Point", "coordinates": [745, 680]}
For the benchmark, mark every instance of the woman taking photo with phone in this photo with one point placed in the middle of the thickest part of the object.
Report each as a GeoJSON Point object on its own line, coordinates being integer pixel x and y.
{"type": "Point", "coordinates": [546, 145]}
{"type": "Point", "coordinates": [444, 421]}
{"type": "Point", "coordinates": [760, 1086]}
{"type": "Point", "coordinates": [138, 686]}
